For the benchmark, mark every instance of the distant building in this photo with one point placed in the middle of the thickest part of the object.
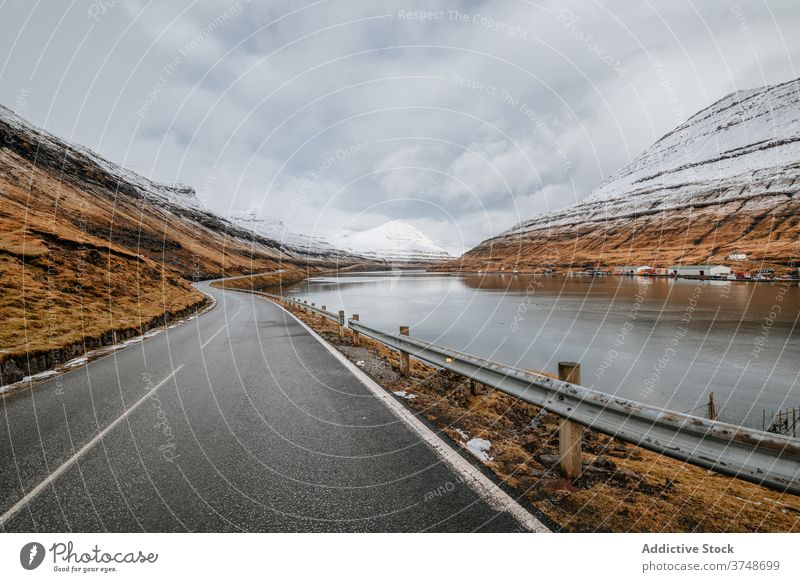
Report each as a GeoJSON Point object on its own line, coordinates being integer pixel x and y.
{"type": "Point", "coordinates": [737, 257]}
{"type": "Point", "coordinates": [700, 271]}
{"type": "Point", "coordinates": [633, 270]}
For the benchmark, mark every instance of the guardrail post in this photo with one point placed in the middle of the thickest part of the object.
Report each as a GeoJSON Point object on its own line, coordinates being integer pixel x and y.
{"type": "Point", "coordinates": [405, 364]}
{"type": "Point", "coordinates": [322, 318]}
{"type": "Point", "coordinates": [569, 433]}
{"type": "Point", "coordinates": [356, 336]}
{"type": "Point", "coordinates": [341, 325]}
{"type": "Point", "coordinates": [712, 406]}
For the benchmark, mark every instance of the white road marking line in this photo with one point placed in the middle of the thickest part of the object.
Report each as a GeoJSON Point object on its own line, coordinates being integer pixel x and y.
{"type": "Point", "coordinates": [71, 461]}
{"type": "Point", "coordinates": [209, 340]}
{"type": "Point", "coordinates": [223, 328]}
{"type": "Point", "coordinates": [486, 489]}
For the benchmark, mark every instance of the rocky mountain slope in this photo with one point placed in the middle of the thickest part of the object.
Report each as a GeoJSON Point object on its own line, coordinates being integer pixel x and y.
{"type": "Point", "coordinates": [91, 252]}
{"type": "Point", "coordinates": [394, 242]}
{"type": "Point", "coordinates": [724, 181]}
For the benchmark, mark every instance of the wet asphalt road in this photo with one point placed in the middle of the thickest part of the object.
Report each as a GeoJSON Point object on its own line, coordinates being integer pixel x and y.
{"type": "Point", "coordinates": [254, 426]}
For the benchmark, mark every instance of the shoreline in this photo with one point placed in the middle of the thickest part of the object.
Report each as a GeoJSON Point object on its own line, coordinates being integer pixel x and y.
{"type": "Point", "coordinates": [582, 274]}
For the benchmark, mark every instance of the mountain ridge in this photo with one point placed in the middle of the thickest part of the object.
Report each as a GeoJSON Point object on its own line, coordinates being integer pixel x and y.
{"type": "Point", "coordinates": [723, 181]}
{"type": "Point", "coordinates": [86, 169]}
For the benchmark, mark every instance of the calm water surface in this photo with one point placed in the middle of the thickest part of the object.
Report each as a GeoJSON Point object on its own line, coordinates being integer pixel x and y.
{"type": "Point", "coordinates": [665, 342]}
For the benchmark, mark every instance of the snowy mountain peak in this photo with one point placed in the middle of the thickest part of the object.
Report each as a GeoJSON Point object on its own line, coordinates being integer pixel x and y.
{"type": "Point", "coordinates": [394, 241]}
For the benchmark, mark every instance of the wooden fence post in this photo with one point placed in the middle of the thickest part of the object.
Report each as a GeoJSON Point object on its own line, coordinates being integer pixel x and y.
{"type": "Point", "coordinates": [712, 406]}
{"type": "Point", "coordinates": [341, 324]}
{"type": "Point", "coordinates": [356, 335]}
{"type": "Point", "coordinates": [405, 363]}
{"type": "Point", "coordinates": [569, 433]}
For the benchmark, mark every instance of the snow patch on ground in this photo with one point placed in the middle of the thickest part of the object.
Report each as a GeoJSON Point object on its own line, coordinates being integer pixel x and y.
{"type": "Point", "coordinates": [76, 362]}
{"type": "Point", "coordinates": [404, 394]}
{"type": "Point", "coordinates": [40, 376]}
{"type": "Point", "coordinates": [464, 436]}
{"type": "Point", "coordinates": [480, 448]}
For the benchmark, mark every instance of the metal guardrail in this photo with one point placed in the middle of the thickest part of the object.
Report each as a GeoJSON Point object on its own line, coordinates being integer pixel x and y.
{"type": "Point", "coordinates": [753, 455]}
{"type": "Point", "coordinates": [334, 317]}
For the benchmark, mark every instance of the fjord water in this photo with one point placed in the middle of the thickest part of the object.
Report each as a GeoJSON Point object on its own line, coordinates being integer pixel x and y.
{"type": "Point", "coordinates": [659, 341]}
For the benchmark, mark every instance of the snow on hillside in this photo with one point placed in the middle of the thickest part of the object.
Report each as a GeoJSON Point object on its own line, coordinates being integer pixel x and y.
{"type": "Point", "coordinates": [274, 229]}
{"type": "Point", "coordinates": [394, 241]}
{"type": "Point", "coordinates": [82, 164]}
{"type": "Point", "coordinates": [744, 146]}
{"type": "Point", "coordinates": [177, 196]}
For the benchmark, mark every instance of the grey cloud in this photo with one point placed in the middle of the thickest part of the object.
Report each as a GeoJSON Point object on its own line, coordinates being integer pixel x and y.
{"type": "Point", "coordinates": [506, 108]}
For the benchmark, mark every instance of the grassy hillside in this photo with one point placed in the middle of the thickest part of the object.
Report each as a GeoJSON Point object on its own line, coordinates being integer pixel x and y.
{"type": "Point", "coordinates": [768, 235]}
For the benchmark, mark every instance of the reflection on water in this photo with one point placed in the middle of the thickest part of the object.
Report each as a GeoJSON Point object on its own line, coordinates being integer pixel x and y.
{"type": "Point", "coordinates": [661, 341]}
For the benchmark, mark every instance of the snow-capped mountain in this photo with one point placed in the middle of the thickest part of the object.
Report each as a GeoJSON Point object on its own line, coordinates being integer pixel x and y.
{"type": "Point", "coordinates": [394, 241]}
{"type": "Point", "coordinates": [725, 181]}
{"type": "Point", "coordinates": [746, 146]}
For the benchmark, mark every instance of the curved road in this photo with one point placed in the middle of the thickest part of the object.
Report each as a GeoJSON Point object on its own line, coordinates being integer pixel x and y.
{"type": "Point", "coordinates": [237, 420]}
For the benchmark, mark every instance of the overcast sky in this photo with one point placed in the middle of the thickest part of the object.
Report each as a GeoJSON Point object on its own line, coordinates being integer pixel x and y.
{"type": "Point", "coordinates": [343, 114]}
